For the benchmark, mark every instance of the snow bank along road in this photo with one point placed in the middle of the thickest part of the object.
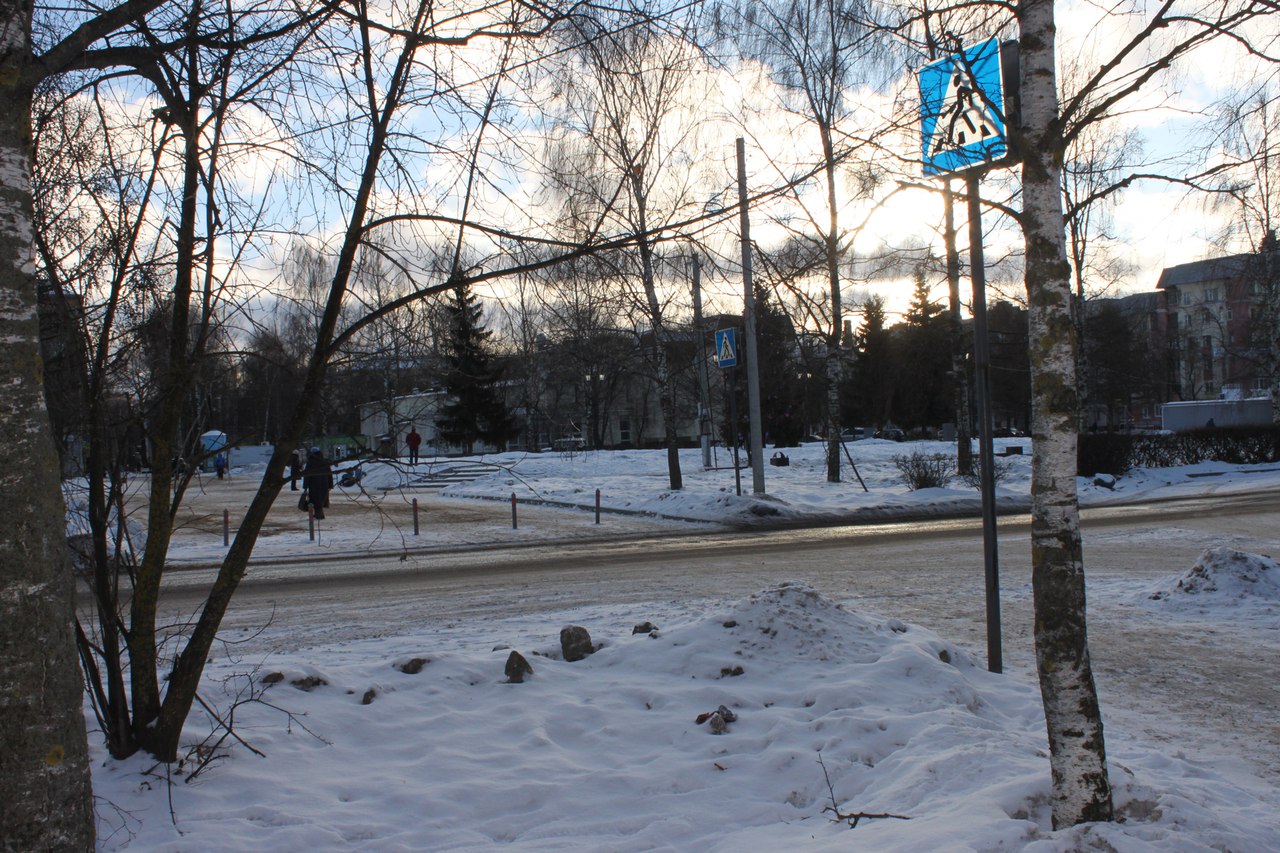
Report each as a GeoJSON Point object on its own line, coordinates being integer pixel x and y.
{"type": "Point", "coordinates": [1160, 674]}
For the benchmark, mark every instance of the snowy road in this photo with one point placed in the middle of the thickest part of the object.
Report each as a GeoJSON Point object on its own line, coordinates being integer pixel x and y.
{"type": "Point", "coordinates": [1158, 673]}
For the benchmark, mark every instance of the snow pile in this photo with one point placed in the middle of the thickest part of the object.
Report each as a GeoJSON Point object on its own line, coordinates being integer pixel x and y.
{"type": "Point", "coordinates": [832, 708]}
{"type": "Point", "coordinates": [1224, 576]}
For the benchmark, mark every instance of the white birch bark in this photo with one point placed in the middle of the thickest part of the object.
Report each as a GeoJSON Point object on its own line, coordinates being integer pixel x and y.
{"type": "Point", "coordinates": [44, 771]}
{"type": "Point", "coordinates": [1081, 788]}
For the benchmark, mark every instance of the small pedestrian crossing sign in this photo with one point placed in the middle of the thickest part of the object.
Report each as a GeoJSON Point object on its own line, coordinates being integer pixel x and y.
{"type": "Point", "coordinates": [726, 348]}
{"type": "Point", "coordinates": [962, 110]}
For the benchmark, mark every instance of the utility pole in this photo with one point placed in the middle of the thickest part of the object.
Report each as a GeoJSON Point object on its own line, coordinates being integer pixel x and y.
{"type": "Point", "coordinates": [749, 330]}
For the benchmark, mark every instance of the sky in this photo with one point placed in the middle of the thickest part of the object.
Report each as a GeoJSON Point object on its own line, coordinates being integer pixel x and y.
{"type": "Point", "coordinates": [837, 703]}
{"type": "Point", "coordinates": [1153, 226]}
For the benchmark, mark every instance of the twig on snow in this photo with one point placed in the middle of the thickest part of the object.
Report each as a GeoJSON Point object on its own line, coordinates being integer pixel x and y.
{"type": "Point", "coordinates": [850, 818]}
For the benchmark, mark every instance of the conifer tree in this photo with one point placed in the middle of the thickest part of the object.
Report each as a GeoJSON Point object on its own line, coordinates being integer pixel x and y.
{"type": "Point", "coordinates": [922, 361]}
{"type": "Point", "coordinates": [782, 392]}
{"type": "Point", "coordinates": [477, 410]}
{"type": "Point", "coordinates": [870, 395]}
{"type": "Point", "coordinates": [923, 307]}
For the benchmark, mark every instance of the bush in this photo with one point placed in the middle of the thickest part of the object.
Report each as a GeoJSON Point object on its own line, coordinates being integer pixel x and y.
{"type": "Point", "coordinates": [1104, 452]}
{"type": "Point", "coordinates": [1000, 469]}
{"type": "Point", "coordinates": [925, 471]}
{"type": "Point", "coordinates": [1115, 453]}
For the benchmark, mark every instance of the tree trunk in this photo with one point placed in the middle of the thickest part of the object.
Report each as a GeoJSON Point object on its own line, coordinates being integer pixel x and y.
{"type": "Point", "coordinates": [666, 388]}
{"type": "Point", "coordinates": [1081, 788]}
{"type": "Point", "coordinates": [955, 328]}
{"type": "Point", "coordinates": [184, 678]}
{"type": "Point", "coordinates": [44, 765]}
{"type": "Point", "coordinates": [837, 314]}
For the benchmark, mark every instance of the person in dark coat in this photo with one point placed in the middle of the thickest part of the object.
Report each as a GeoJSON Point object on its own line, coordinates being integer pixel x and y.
{"type": "Point", "coordinates": [317, 479]}
{"type": "Point", "coordinates": [295, 470]}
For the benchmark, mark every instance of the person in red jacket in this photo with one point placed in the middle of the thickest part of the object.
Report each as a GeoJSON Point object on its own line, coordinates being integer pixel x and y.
{"type": "Point", "coordinates": [414, 441]}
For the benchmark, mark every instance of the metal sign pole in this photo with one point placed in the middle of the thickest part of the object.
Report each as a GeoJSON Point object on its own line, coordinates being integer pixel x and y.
{"type": "Point", "coordinates": [964, 105]}
{"type": "Point", "coordinates": [982, 374]}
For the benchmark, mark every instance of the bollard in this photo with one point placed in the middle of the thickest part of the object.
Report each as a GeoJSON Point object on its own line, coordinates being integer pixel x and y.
{"type": "Point", "coordinates": [415, 516]}
{"type": "Point", "coordinates": [311, 524]}
{"type": "Point", "coordinates": [597, 506]}
{"type": "Point", "coordinates": [514, 526]}
{"type": "Point", "coordinates": [226, 527]}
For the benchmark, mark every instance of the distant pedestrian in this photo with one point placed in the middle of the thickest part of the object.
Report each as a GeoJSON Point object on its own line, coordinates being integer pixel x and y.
{"type": "Point", "coordinates": [295, 470]}
{"type": "Point", "coordinates": [220, 465]}
{"type": "Point", "coordinates": [317, 479]}
{"type": "Point", "coordinates": [414, 441]}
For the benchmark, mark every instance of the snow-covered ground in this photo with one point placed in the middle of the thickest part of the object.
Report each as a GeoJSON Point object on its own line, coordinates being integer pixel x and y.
{"type": "Point", "coordinates": [411, 739]}
{"type": "Point", "coordinates": [635, 498]}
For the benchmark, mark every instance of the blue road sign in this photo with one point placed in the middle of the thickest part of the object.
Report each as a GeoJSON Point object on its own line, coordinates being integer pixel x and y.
{"type": "Point", "coordinates": [726, 348]}
{"type": "Point", "coordinates": [962, 110]}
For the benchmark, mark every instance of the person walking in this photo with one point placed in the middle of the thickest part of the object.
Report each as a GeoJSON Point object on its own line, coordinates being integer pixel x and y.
{"type": "Point", "coordinates": [414, 441]}
{"type": "Point", "coordinates": [295, 470]}
{"type": "Point", "coordinates": [220, 465]}
{"type": "Point", "coordinates": [317, 480]}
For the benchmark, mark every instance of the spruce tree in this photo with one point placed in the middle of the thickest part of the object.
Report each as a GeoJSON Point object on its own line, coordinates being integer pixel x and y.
{"type": "Point", "coordinates": [781, 389]}
{"type": "Point", "coordinates": [922, 362]}
{"type": "Point", "coordinates": [870, 384]}
{"type": "Point", "coordinates": [476, 409]}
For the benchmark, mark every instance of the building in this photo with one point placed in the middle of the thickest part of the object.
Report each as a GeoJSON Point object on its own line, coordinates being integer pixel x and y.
{"type": "Point", "coordinates": [599, 394]}
{"type": "Point", "coordinates": [1125, 362]}
{"type": "Point", "coordinates": [1214, 311]}
{"type": "Point", "coordinates": [385, 422]}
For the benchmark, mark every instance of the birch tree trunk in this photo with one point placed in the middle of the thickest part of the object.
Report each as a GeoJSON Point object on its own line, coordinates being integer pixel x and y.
{"type": "Point", "coordinates": [1081, 788]}
{"type": "Point", "coordinates": [955, 332]}
{"type": "Point", "coordinates": [665, 386]}
{"type": "Point", "coordinates": [832, 354]}
{"type": "Point", "coordinates": [44, 766]}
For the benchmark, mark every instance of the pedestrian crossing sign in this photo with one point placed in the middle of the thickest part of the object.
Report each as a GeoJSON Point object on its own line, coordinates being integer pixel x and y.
{"type": "Point", "coordinates": [726, 348]}
{"type": "Point", "coordinates": [962, 110]}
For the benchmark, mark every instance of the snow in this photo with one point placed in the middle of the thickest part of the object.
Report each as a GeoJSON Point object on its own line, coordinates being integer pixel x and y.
{"type": "Point", "coordinates": [838, 708]}
{"type": "Point", "coordinates": [1222, 581]}
{"type": "Point", "coordinates": [636, 500]}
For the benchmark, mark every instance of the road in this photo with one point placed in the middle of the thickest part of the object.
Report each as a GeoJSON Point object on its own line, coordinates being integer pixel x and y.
{"type": "Point", "coordinates": [1156, 675]}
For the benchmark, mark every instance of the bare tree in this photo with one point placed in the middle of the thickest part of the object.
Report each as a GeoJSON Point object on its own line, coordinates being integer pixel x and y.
{"type": "Point", "coordinates": [1052, 121]}
{"type": "Point", "coordinates": [590, 346]}
{"type": "Point", "coordinates": [360, 168]}
{"type": "Point", "coordinates": [1249, 144]}
{"type": "Point", "coordinates": [1098, 161]}
{"type": "Point", "coordinates": [818, 51]}
{"type": "Point", "coordinates": [171, 290]}
{"type": "Point", "coordinates": [627, 142]}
